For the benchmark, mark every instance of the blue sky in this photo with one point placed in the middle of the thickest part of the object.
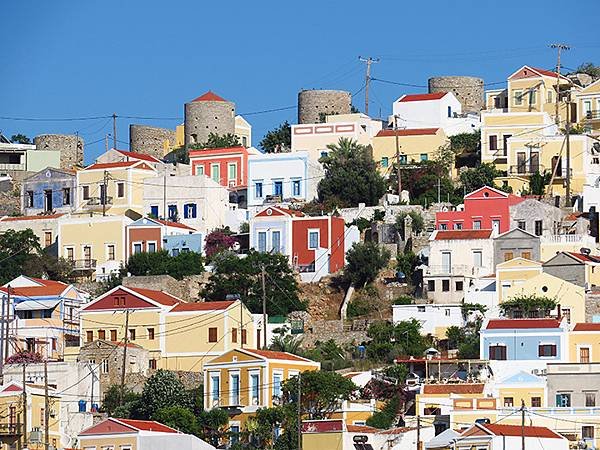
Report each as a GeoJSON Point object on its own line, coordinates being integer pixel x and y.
{"type": "Point", "coordinates": [63, 59]}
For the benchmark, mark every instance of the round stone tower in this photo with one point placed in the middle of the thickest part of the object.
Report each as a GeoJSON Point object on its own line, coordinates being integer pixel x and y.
{"type": "Point", "coordinates": [207, 114]}
{"type": "Point", "coordinates": [69, 146]}
{"type": "Point", "coordinates": [150, 140]}
{"type": "Point", "coordinates": [468, 90]}
{"type": "Point", "coordinates": [313, 103]}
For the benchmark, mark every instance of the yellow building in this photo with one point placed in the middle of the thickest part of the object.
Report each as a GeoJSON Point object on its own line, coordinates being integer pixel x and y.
{"type": "Point", "coordinates": [94, 244]}
{"type": "Point", "coordinates": [11, 421]}
{"type": "Point", "coordinates": [521, 388]}
{"type": "Point", "coordinates": [588, 107]}
{"type": "Point", "coordinates": [415, 145]}
{"type": "Point", "coordinates": [584, 343]}
{"type": "Point", "coordinates": [436, 399]}
{"type": "Point", "coordinates": [244, 380]}
{"type": "Point", "coordinates": [518, 185]}
{"type": "Point", "coordinates": [115, 187]}
{"type": "Point", "coordinates": [570, 297]}
{"type": "Point", "coordinates": [177, 335]}
{"type": "Point", "coordinates": [514, 273]}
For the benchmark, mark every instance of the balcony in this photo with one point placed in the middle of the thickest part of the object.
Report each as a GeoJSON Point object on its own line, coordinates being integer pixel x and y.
{"type": "Point", "coordinates": [96, 203]}
{"type": "Point", "coordinates": [592, 115]}
{"type": "Point", "coordinates": [584, 240]}
{"type": "Point", "coordinates": [460, 270]}
{"type": "Point", "coordinates": [83, 264]}
{"type": "Point", "coordinates": [527, 169]}
{"type": "Point", "coordinates": [10, 429]}
{"type": "Point", "coordinates": [11, 167]}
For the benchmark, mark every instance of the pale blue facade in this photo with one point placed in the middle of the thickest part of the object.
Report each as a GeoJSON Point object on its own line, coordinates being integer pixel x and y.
{"type": "Point", "coordinates": [530, 344]}
{"type": "Point", "coordinates": [270, 235]}
{"type": "Point", "coordinates": [180, 243]}
{"type": "Point", "coordinates": [49, 190]}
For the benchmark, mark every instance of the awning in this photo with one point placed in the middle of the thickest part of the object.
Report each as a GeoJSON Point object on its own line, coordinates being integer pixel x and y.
{"type": "Point", "coordinates": [31, 305]}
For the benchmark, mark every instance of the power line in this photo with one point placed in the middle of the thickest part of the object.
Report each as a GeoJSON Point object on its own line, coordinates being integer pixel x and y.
{"type": "Point", "coordinates": [56, 119]}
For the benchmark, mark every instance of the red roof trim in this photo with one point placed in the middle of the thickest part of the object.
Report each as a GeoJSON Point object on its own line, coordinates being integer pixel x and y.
{"type": "Point", "coordinates": [509, 324]}
{"type": "Point", "coordinates": [422, 97]}
{"type": "Point", "coordinates": [587, 327]}
{"type": "Point", "coordinates": [138, 155]}
{"type": "Point", "coordinates": [113, 165]}
{"type": "Point", "coordinates": [408, 132]}
{"type": "Point", "coordinates": [442, 235]}
{"type": "Point", "coordinates": [173, 224]}
{"type": "Point", "coordinates": [40, 217]}
{"type": "Point", "coordinates": [453, 388]}
{"type": "Point", "coordinates": [202, 306]}
{"type": "Point", "coordinates": [516, 430]}
{"type": "Point", "coordinates": [270, 354]}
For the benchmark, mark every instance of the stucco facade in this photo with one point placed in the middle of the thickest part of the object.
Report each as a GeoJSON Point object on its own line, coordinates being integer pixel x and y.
{"type": "Point", "coordinates": [516, 243]}
{"type": "Point", "coordinates": [49, 191]}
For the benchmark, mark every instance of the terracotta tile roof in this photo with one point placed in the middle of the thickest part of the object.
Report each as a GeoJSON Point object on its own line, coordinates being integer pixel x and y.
{"type": "Point", "coordinates": [48, 288]}
{"type": "Point", "coordinates": [397, 430]}
{"type": "Point", "coordinates": [462, 234]}
{"type": "Point", "coordinates": [408, 132]}
{"type": "Point", "coordinates": [39, 217]}
{"type": "Point", "coordinates": [585, 258]}
{"type": "Point", "coordinates": [148, 425]}
{"type": "Point", "coordinates": [587, 327]}
{"type": "Point", "coordinates": [138, 155]}
{"type": "Point", "coordinates": [111, 165]}
{"type": "Point", "coordinates": [270, 354]}
{"type": "Point", "coordinates": [202, 306]}
{"type": "Point", "coordinates": [174, 224]}
{"type": "Point", "coordinates": [421, 97]}
{"type": "Point", "coordinates": [516, 430]}
{"type": "Point", "coordinates": [510, 324]}
{"type": "Point", "coordinates": [459, 388]}
{"type": "Point", "coordinates": [158, 296]}
{"type": "Point", "coordinates": [209, 97]}
{"type": "Point", "coordinates": [548, 73]}
{"type": "Point", "coordinates": [361, 429]}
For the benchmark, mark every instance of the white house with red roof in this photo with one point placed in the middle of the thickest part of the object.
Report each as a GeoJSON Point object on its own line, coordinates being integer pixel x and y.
{"type": "Point", "coordinates": [153, 235]}
{"type": "Point", "coordinates": [116, 155]}
{"type": "Point", "coordinates": [315, 245]}
{"type": "Point", "coordinates": [129, 434]}
{"type": "Point", "coordinates": [433, 110]}
{"type": "Point", "coordinates": [500, 436]}
{"type": "Point", "coordinates": [43, 317]}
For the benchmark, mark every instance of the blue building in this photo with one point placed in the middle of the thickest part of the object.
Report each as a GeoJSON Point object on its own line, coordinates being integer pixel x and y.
{"type": "Point", "coordinates": [540, 340]}
{"type": "Point", "coordinates": [180, 243]}
{"type": "Point", "coordinates": [49, 190]}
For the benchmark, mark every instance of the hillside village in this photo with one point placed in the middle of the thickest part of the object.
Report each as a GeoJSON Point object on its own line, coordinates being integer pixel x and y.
{"type": "Point", "coordinates": [427, 280]}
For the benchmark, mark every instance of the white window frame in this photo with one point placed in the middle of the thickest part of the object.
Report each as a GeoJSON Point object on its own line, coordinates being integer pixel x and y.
{"type": "Point", "coordinates": [235, 174]}
{"type": "Point", "coordinates": [477, 252]}
{"type": "Point", "coordinates": [273, 249]}
{"type": "Point", "coordinates": [211, 384]}
{"type": "Point", "coordinates": [279, 392]}
{"type": "Point", "coordinates": [66, 248]}
{"type": "Point", "coordinates": [258, 234]}
{"type": "Point", "coordinates": [200, 169]}
{"type": "Point", "coordinates": [106, 246]}
{"type": "Point", "coordinates": [299, 184]}
{"type": "Point", "coordinates": [252, 388]}
{"type": "Point", "coordinates": [148, 246]}
{"type": "Point", "coordinates": [104, 365]}
{"type": "Point", "coordinates": [140, 243]}
{"type": "Point", "coordinates": [216, 166]}
{"type": "Point", "coordinates": [232, 396]}
{"type": "Point", "coordinates": [516, 94]}
{"type": "Point", "coordinates": [309, 232]}
{"type": "Point", "coordinates": [262, 188]}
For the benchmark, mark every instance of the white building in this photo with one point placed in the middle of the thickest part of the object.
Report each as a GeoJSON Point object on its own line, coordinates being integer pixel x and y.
{"type": "Point", "coordinates": [282, 177]}
{"type": "Point", "coordinates": [434, 318]}
{"type": "Point", "coordinates": [436, 110]}
{"type": "Point", "coordinates": [482, 291]}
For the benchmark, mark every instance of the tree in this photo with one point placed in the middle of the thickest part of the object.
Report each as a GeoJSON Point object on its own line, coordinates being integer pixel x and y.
{"type": "Point", "coordinates": [234, 275]}
{"type": "Point", "coordinates": [329, 354]}
{"type": "Point", "coordinates": [538, 182]}
{"type": "Point", "coordinates": [364, 261]}
{"type": "Point", "coordinates": [112, 401]}
{"type": "Point", "coordinates": [465, 142]}
{"type": "Point", "coordinates": [406, 263]}
{"type": "Point", "coordinates": [386, 418]}
{"type": "Point", "coordinates": [218, 241]}
{"type": "Point", "coordinates": [216, 140]}
{"type": "Point", "coordinates": [482, 175]}
{"type": "Point", "coordinates": [287, 343]}
{"type": "Point", "coordinates": [351, 176]}
{"type": "Point", "coordinates": [16, 249]}
{"type": "Point", "coordinates": [24, 357]}
{"type": "Point", "coordinates": [161, 263]}
{"type": "Point", "coordinates": [20, 139]}
{"type": "Point", "coordinates": [210, 424]}
{"type": "Point", "coordinates": [418, 223]}
{"type": "Point", "coordinates": [590, 68]}
{"type": "Point", "coordinates": [278, 140]}
{"type": "Point", "coordinates": [322, 392]}
{"type": "Point", "coordinates": [528, 306]}
{"type": "Point", "coordinates": [389, 341]}
{"type": "Point", "coordinates": [177, 417]}
{"type": "Point", "coordinates": [163, 389]}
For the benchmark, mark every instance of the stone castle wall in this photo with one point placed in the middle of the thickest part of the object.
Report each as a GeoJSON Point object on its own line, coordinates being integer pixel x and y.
{"type": "Point", "coordinates": [313, 103]}
{"type": "Point", "coordinates": [468, 90]}
{"type": "Point", "coordinates": [70, 147]}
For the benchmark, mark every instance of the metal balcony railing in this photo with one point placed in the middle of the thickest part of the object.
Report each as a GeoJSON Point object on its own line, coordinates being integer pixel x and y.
{"type": "Point", "coordinates": [456, 269]}
{"type": "Point", "coordinates": [99, 201]}
{"type": "Point", "coordinates": [10, 429]}
{"type": "Point", "coordinates": [592, 115]}
{"type": "Point", "coordinates": [526, 169]}
{"type": "Point", "coordinates": [83, 264]}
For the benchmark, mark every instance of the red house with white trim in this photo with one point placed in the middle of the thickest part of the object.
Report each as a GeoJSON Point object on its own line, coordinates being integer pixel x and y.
{"type": "Point", "coordinates": [149, 235]}
{"type": "Point", "coordinates": [485, 208]}
{"type": "Point", "coordinates": [316, 246]}
{"type": "Point", "coordinates": [226, 166]}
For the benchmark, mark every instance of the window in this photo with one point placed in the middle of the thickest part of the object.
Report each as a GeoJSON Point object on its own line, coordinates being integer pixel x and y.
{"type": "Point", "coordinates": [477, 258]}
{"type": "Point", "coordinates": [526, 255]}
{"type": "Point", "coordinates": [258, 191]}
{"type": "Point", "coordinates": [215, 389]}
{"type": "Point", "coordinates": [120, 190]}
{"type": "Point", "coordinates": [547, 350]}
{"type": "Point", "coordinates": [254, 388]}
{"type": "Point", "coordinates": [175, 252]}
{"type": "Point", "coordinates": [85, 190]}
{"type": "Point", "coordinates": [508, 402]}
{"type": "Point", "coordinates": [385, 162]}
{"type": "Point", "coordinates": [262, 241]}
{"type": "Point", "coordinates": [244, 141]}
{"type": "Point", "coordinates": [423, 157]}
{"type": "Point", "coordinates": [105, 366]}
{"type": "Point", "coordinates": [66, 196]}
{"type": "Point", "coordinates": [477, 224]}
{"type": "Point", "coordinates": [47, 238]}
{"type": "Point", "coordinates": [536, 402]}
{"type": "Point", "coordinates": [421, 309]}
{"type": "Point", "coordinates": [550, 98]}
{"type": "Point", "coordinates": [445, 285]}
{"type": "Point", "coordinates": [132, 334]}
{"type": "Point", "coordinates": [101, 335]}
{"type": "Point", "coordinates": [110, 252]}
{"type": "Point", "coordinates": [215, 172]}
{"type": "Point", "coordinates": [199, 169]}
{"type": "Point", "coordinates": [313, 239]}
{"type": "Point", "coordinates": [278, 188]}
{"type": "Point", "coordinates": [449, 111]}
{"type": "Point", "coordinates": [30, 199]}
{"type": "Point", "coordinates": [532, 96]}
{"type": "Point", "coordinates": [150, 334]}
{"type": "Point", "coordinates": [508, 256]}
{"type": "Point", "coordinates": [154, 210]}
{"type": "Point", "coordinates": [443, 226]}
{"type": "Point", "coordinates": [137, 247]}
{"type": "Point", "coordinates": [324, 154]}
{"type": "Point", "coordinates": [587, 432]}
{"type": "Point", "coordinates": [538, 227]}
{"type": "Point", "coordinates": [459, 288]}
{"type": "Point", "coordinates": [152, 364]}
{"type": "Point", "coordinates": [172, 212]}
{"type": "Point", "coordinates": [584, 355]}
{"type": "Point", "coordinates": [234, 386]}
{"type": "Point", "coordinates": [103, 195]}
{"type": "Point", "coordinates": [431, 285]}
{"type": "Point", "coordinates": [563, 400]}
{"type": "Point", "coordinates": [496, 226]}
{"type": "Point", "coordinates": [119, 301]}
{"type": "Point", "coordinates": [497, 352]}
{"type": "Point", "coordinates": [276, 241]}
{"type": "Point", "coordinates": [458, 226]}
{"type": "Point", "coordinates": [89, 336]}
{"type": "Point", "coordinates": [234, 434]}
{"type": "Point", "coordinates": [212, 334]}
{"type": "Point", "coordinates": [277, 378]}
{"type": "Point", "coordinates": [151, 247]}
{"type": "Point", "coordinates": [234, 335]}
{"type": "Point", "coordinates": [590, 399]}
{"type": "Point", "coordinates": [518, 98]}
{"type": "Point", "coordinates": [493, 142]}
{"type": "Point", "coordinates": [522, 225]}
{"type": "Point", "coordinates": [403, 159]}
{"type": "Point", "coordinates": [113, 335]}
{"type": "Point", "coordinates": [296, 188]}
{"type": "Point", "coordinates": [447, 311]}
{"type": "Point", "coordinates": [244, 337]}
{"type": "Point", "coordinates": [446, 262]}
{"type": "Point", "coordinates": [189, 211]}
{"type": "Point", "coordinates": [232, 172]}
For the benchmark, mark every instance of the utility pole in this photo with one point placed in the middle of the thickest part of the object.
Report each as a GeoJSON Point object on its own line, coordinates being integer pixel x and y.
{"type": "Point", "coordinates": [7, 324]}
{"type": "Point", "coordinates": [264, 306]}
{"type": "Point", "coordinates": [241, 323]}
{"type": "Point", "coordinates": [114, 117]}
{"type": "Point", "coordinates": [2, 325]}
{"type": "Point", "coordinates": [439, 189]}
{"type": "Point", "coordinates": [522, 424]}
{"type": "Point", "coordinates": [568, 150]}
{"type": "Point", "coordinates": [418, 432]}
{"type": "Point", "coordinates": [369, 61]}
{"type": "Point", "coordinates": [24, 409]}
{"type": "Point", "coordinates": [299, 410]}
{"type": "Point", "coordinates": [104, 193]}
{"type": "Point", "coordinates": [46, 408]}
{"type": "Point", "coordinates": [106, 141]}
{"type": "Point", "coordinates": [559, 48]}
{"type": "Point", "coordinates": [122, 391]}
{"type": "Point", "coordinates": [398, 159]}
{"type": "Point", "coordinates": [165, 215]}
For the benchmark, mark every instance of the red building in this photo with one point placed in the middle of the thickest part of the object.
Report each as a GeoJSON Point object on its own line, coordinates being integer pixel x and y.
{"type": "Point", "coordinates": [316, 246]}
{"type": "Point", "coordinates": [226, 166]}
{"type": "Point", "coordinates": [486, 208]}
{"type": "Point", "coordinates": [149, 235]}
